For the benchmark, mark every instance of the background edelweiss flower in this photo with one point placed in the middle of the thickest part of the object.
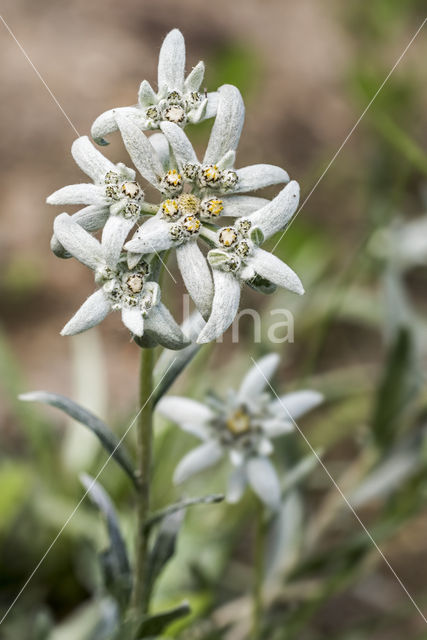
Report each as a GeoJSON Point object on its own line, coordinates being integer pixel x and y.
{"type": "Point", "coordinates": [121, 288]}
{"type": "Point", "coordinates": [242, 427]}
{"type": "Point", "coordinates": [114, 192]}
{"type": "Point", "coordinates": [238, 259]}
{"type": "Point", "coordinates": [178, 98]}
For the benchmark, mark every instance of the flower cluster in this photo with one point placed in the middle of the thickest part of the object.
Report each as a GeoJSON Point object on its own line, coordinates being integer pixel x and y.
{"type": "Point", "coordinates": [242, 427]}
{"type": "Point", "coordinates": [200, 201]}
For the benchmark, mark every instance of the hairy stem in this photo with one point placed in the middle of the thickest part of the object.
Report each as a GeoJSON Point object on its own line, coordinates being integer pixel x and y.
{"type": "Point", "coordinates": [140, 595]}
{"type": "Point", "coordinates": [259, 549]}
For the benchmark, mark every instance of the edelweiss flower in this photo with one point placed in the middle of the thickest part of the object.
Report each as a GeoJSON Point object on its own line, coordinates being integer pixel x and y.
{"type": "Point", "coordinates": [238, 259]}
{"type": "Point", "coordinates": [194, 192]}
{"type": "Point", "coordinates": [114, 192]}
{"type": "Point", "coordinates": [120, 288]}
{"type": "Point", "coordinates": [177, 100]}
{"type": "Point", "coordinates": [242, 427]}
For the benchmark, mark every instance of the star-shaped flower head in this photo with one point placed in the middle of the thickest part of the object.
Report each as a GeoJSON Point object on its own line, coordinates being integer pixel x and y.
{"type": "Point", "coordinates": [178, 99]}
{"type": "Point", "coordinates": [237, 258]}
{"type": "Point", "coordinates": [114, 192]}
{"type": "Point", "coordinates": [130, 291]}
{"type": "Point", "coordinates": [242, 427]}
{"type": "Point", "coordinates": [197, 193]}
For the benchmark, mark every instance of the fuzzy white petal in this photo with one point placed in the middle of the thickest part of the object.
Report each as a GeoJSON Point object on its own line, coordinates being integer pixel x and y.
{"type": "Point", "coordinates": [197, 460]}
{"type": "Point", "coordinates": [181, 145]}
{"type": "Point", "coordinates": [277, 214]}
{"type": "Point", "coordinates": [190, 415]}
{"type": "Point", "coordinates": [197, 275]}
{"type": "Point", "coordinates": [133, 320]}
{"type": "Point", "coordinates": [140, 150]}
{"type": "Point", "coordinates": [275, 427]}
{"type": "Point", "coordinates": [235, 206]}
{"type": "Point", "coordinates": [91, 313]}
{"type": "Point", "coordinates": [90, 218]}
{"type": "Point", "coordinates": [151, 237]}
{"type": "Point", "coordinates": [161, 148]}
{"type": "Point", "coordinates": [78, 194]}
{"type": "Point", "coordinates": [236, 484]}
{"type": "Point", "coordinates": [161, 325]}
{"type": "Point", "coordinates": [106, 123]}
{"type": "Point", "coordinates": [272, 268]}
{"type": "Point", "coordinates": [146, 95]}
{"type": "Point", "coordinates": [297, 403]}
{"type": "Point", "coordinates": [195, 78]}
{"type": "Point", "coordinates": [90, 160]}
{"type": "Point", "coordinates": [258, 176]}
{"type": "Point", "coordinates": [258, 376]}
{"type": "Point", "coordinates": [264, 481]}
{"type": "Point", "coordinates": [114, 234]}
{"type": "Point", "coordinates": [228, 124]}
{"type": "Point", "coordinates": [212, 106]}
{"type": "Point", "coordinates": [172, 62]}
{"type": "Point", "coordinates": [78, 242]}
{"type": "Point", "coordinates": [227, 161]}
{"type": "Point", "coordinates": [224, 306]}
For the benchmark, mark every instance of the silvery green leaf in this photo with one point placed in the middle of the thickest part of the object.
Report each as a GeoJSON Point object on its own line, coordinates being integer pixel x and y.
{"type": "Point", "coordinates": [108, 439]}
{"type": "Point", "coordinates": [258, 176]}
{"type": "Point", "coordinates": [118, 567]}
{"type": "Point", "coordinates": [386, 478]}
{"type": "Point", "coordinates": [171, 363]}
{"type": "Point", "coordinates": [84, 193]}
{"type": "Point", "coordinates": [106, 123]}
{"type": "Point", "coordinates": [78, 242]}
{"type": "Point", "coordinates": [192, 416]}
{"type": "Point", "coordinates": [92, 312]}
{"type": "Point", "coordinates": [151, 237]}
{"type": "Point", "coordinates": [133, 320]}
{"type": "Point", "coordinates": [164, 546]}
{"type": "Point", "coordinates": [198, 459]}
{"type": "Point", "coordinates": [91, 218]}
{"type": "Point", "coordinates": [276, 215]}
{"type": "Point", "coordinates": [181, 145]}
{"type": "Point", "coordinates": [298, 473]}
{"type": "Point", "coordinates": [264, 481]}
{"type": "Point", "coordinates": [171, 63]}
{"type": "Point", "coordinates": [284, 536]}
{"type": "Point", "coordinates": [257, 236]}
{"type": "Point", "coordinates": [224, 306]}
{"type": "Point", "coordinates": [236, 206]}
{"type": "Point", "coordinates": [258, 377]}
{"type": "Point", "coordinates": [159, 516]}
{"type": "Point", "coordinates": [140, 150]}
{"type": "Point", "coordinates": [197, 275]}
{"type": "Point", "coordinates": [90, 160]}
{"type": "Point", "coordinates": [161, 325]}
{"type": "Point", "coordinates": [159, 622]}
{"type": "Point", "coordinates": [146, 95]}
{"type": "Point", "coordinates": [212, 106]}
{"type": "Point", "coordinates": [217, 258]}
{"type": "Point", "coordinates": [114, 234]}
{"type": "Point", "coordinates": [225, 134]}
{"type": "Point", "coordinates": [194, 78]}
{"type": "Point", "coordinates": [273, 269]}
{"type": "Point", "coordinates": [198, 114]}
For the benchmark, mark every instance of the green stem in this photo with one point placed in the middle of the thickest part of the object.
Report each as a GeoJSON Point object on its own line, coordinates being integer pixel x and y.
{"type": "Point", "coordinates": [259, 549]}
{"type": "Point", "coordinates": [140, 595]}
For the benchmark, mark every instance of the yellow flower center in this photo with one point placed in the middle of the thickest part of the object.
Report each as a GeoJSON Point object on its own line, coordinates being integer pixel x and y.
{"type": "Point", "coordinates": [173, 177]}
{"type": "Point", "coordinates": [188, 203]}
{"type": "Point", "coordinates": [215, 207]}
{"type": "Point", "coordinates": [170, 208]}
{"type": "Point", "coordinates": [227, 236]}
{"type": "Point", "coordinates": [191, 224]}
{"type": "Point", "coordinates": [135, 283]}
{"type": "Point", "coordinates": [239, 422]}
{"type": "Point", "coordinates": [212, 173]}
{"type": "Point", "coordinates": [131, 189]}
